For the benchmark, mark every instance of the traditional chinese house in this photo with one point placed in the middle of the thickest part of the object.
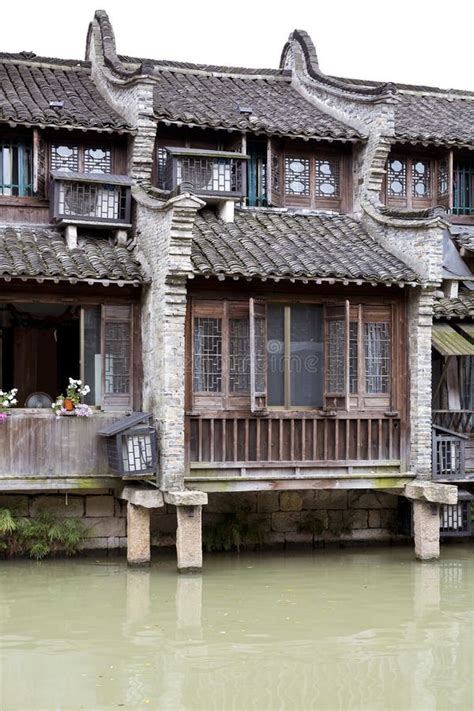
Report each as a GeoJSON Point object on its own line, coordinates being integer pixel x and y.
{"type": "Point", "coordinates": [255, 258]}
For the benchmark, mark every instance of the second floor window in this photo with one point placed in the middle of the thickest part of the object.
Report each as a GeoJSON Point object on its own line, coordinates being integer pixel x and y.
{"type": "Point", "coordinates": [80, 159]}
{"type": "Point", "coordinates": [312, 178]}
{"type": "Point", "coordinates": [291, 356]}
{"type": "Point", "coordinates": [15, 168]}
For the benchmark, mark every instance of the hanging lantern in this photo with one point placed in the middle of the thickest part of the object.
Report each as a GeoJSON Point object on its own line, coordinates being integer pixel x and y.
{"type": "Point", "coordinates": [132, 449]}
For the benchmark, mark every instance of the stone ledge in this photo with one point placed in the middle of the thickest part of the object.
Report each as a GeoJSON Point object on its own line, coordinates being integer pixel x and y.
{"type": "Point", "coordinates": [146, 498]}
{"type": "Point", "coordinates": [431, 492]}
{"type": "Point", "coordinates": [187, 497]}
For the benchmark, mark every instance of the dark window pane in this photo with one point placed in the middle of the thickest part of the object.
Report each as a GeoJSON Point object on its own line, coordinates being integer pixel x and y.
{"type": "Point", "coordinates": [377, 357]}
{"type": "Point", "coordinates": [117, 357]}
{"type": "Point", "coordinates": [335, 382]}
{"type": "Point", "coordinates": [306, 352]}
{"type": "Point", "coordinates": [239, 355]}
{"type": "Point", "coordinates": [353, 356]}
{"type": "Point", "coordinates": [92, 358]}
{"type": "Point", "coordinates": [207, 355]}
{"type": "Point", "coordinates": [275, 355]}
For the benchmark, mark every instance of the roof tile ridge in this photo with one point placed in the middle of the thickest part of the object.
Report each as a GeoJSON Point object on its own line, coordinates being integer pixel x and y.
{"type": "Point", "coordinates": [381, 91]}
{"type": "Point", "coordinates": [109, 51]}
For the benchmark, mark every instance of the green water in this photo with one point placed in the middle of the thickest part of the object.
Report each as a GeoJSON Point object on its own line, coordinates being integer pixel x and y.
{"type": "Point", "coordinates": [349, 629]}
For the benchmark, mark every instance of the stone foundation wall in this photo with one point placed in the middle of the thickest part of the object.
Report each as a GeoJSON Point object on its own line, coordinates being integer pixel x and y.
{"type": "Point", "coordinates": [344, 515]}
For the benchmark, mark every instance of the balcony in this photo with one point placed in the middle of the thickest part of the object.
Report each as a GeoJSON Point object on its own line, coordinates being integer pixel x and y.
{"type": "Point", "coordinates": [90, 198]}
{"type": "Point", "coordinates": [210, 174]}
{"type": "Point", "coordinates": [40, 451]}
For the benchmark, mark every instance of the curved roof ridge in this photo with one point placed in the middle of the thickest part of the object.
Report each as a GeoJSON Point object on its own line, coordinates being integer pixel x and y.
{"type": "Point", "coordinates": [109, 51]}
{"type": "Point", "coordinates": [378, 91]}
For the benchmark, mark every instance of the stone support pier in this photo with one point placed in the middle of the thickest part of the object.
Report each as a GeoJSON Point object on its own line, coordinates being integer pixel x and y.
{"type": "Point", "coordinates": [189, 528]}
{"type": "Point", "coordinates": [139, 502]}
{"type": "Point", "coordinates": [427, 497]}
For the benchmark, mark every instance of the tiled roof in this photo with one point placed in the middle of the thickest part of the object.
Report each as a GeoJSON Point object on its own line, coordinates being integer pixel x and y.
{"type": "Point", "coordinates": [460, 307]}
{"type": "Point", "coordinates": [441, 118]}
{"type": "Point", "coordinates": [465, 240]}
{"type": "Point", "coordinates": [28, 85]}
{"type": "Point", "coordinates": [211, 100]}
{"type": "Point", "coordinates": [277, 244]}
{"type": "Point", "coordinates": [42, 253]}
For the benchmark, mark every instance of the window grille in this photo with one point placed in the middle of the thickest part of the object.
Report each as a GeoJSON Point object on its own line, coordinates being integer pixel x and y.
{"type": "Point", "coordinates": [276, 173]}
{"type": "Point", "coordinates": [15, 168]}
{"type": "Point", "coordinates": [65, 158]}
{"type": "Point", "coordinates": [207, 355]}
{"type": "Point", "coordinates": [327, 178]}
{"type": "Point", "coordinates": [260, 349]}
{"type": "Point", "coordinates": [463, 188]}
{"type": "Point", "coordinates": [239, 355]}
{"type": "Point", "coordinates": [377, 357]}
{"type": "Point", "coordinates": [421, 179]}
{"type": "Point", "coordinates": [161, 162]}
{"type": "Point", "coordinates": [335, 381]}
{"type": "Point", "coordinates": [297, 176]}
{"type": "Point", "coordinates": [210, 174]}
{"type": "Point", "coordinates": [117, 357]}
{"type": "Point", "coordinates": [455, 517]}
{"type": "Point", "coordinates": [353, 356]}
{"type": "Point", "coordinates": [97, 160]}
{"type": "Point", "coordinates": [397, 177]}
{"type": "Point", "coordinates": [443, 173]}
{"type": "Point", "coordinates": [93, 200]}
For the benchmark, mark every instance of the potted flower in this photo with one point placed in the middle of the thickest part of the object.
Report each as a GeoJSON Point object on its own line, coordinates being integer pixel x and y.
{"type": "Point", "coordinates": [7, 400]}
{"type": "Point", "coordinates": [70, 403]}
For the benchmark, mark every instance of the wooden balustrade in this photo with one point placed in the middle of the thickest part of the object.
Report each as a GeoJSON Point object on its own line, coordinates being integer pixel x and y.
{"type": "Point", "coordinates": [455, 420]}
{"type": "Point", "coordinates": [298, 438]}
{"type": "Point", "coordinates": [448, 457]}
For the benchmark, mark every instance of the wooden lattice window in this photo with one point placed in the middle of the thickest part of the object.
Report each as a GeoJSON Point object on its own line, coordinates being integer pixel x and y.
{"type": "Point", "coordinates": [297, 176]}
{"type": "Point", "coordinates": [397, 178]}
{"type": "Point", "coordinates": [239, 355]}
{"type": "Point", "coordinates": [443, 177]}
{"type": "Point", "coordinates": [421, 179]}
{"type": "Point", "coordinates": [327, 178]}
{"type": "Point", "coordinates": [353, 357]}
{"type": "Point", "coordinates": [335, 349]}
{"type": "Point", "coordinates": [96, 159]}
{"type": "Point", "coordinates": [15, 168]}
{"type": "Point", "coordinates": [117, 357]}
{"type": "Point", "coordinates": [207, 355]}
{"type": "Point", "coordinates": [377, 357]}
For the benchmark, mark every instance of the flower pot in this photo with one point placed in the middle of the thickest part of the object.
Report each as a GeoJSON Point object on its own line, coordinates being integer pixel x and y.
{"type": "Point", "coordinates": [68, 404]}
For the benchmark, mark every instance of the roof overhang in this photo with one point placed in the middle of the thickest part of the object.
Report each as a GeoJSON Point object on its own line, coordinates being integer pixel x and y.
{"type": "Point", "coordinates": [448, 342]}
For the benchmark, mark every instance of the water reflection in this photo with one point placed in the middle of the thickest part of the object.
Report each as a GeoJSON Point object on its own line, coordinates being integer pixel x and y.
{"type": "Point", "coordinates": [343, 630]}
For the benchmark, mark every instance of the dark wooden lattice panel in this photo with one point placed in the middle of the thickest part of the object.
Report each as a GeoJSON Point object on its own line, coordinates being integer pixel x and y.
{"type": "Point", "coordinates": [207, 377]}
{"type": "Point", "coordinates": [397, 177]}
{"type": "Point", "coordinates": [335, 355]}
{"type": "Point", "coordinates": [327, 178]}
{"type": "Point", "coordinates": [239, 355]}
{"type": "Point", "coordinates": [297, 176]}
{"type": "Point", "coordinates": [421, 179]}
{"type": "Point", "coordinates": [377, 357]}
{"type": "Point", "coordinates": [117, 357]}
{"type": "Point", "coordinates": [353, 356]}
{"type": "Point", "coordinates": [65, 158]}
{"type": "Point", "coordinates": [97, 160]}
{"type": "Point", "coordinates": [443, 177]}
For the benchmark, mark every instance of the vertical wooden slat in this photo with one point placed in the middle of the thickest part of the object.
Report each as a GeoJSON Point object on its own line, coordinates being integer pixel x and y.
{"type": "Point", "coordinates": [224, 439]}
{"type": "Point", "coordinates": [347, 449]}
{"type": "Point", "coordinates": [325, 439]}
{"type": "Point", "coordinates": [390, 439]}
{"type": "Point", "coordinates": [211, 438]}
{"type": "Point", "coordinates": [292, 439]}
{"type": "Point", "coordinates": [358, 438]}
{"type": "Point", "coordinates": [303, 439]}
{"type": "Point", "coordinates": [336, 439]}
{"type": "Point", "coordinates": [280, 440]}
{"type": "Point", "coordinates": [269, 443]}
{"type": "Point", "coordinates": [257, 440]}
{"type": "Point", "coordinates": [315, 439]}
{"type": "Point", "coordinates": [246, 439]}
{"type": "Point", "coordinates": [235, 433]}
{"type": "Point", "coordinates": [380, 424]}
{"type": "Point", "coordinates": [199, 440]}
{"type": "Point", "coordinates": [369, 439]}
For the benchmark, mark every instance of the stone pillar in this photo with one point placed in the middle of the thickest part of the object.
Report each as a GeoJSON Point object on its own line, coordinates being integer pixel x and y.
{"type": "Point", "coordinates": [138, 535]}
{"type": "Point", "coordinates": [189, 538]}
{"type": "Point", "coordinates": [188, 534]}
{"type": "Point", "coordinates": [426, 530]}
{"type": "Point", "coordinates": [139, 500]}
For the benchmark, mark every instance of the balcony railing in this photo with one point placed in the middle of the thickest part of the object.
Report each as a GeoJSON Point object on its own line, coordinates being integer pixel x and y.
{"type": "Point", "coordinates": [207, 173]}
{"type": "Point", "coordinates": [90, 198]}
{"type": "Point", "coordinates": [279, 440]}
{"type": "Point", "coordinates": [449, 455]}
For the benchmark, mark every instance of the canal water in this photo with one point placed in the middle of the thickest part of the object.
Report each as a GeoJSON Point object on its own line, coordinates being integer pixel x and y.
{"type": "Point", "coordinates": [346, 629]}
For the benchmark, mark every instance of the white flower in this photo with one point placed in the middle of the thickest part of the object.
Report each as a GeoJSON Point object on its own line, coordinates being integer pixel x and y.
{"type": "Point", "coordinates": [14, 401]}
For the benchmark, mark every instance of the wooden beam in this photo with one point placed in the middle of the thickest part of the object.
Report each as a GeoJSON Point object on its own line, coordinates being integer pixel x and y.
{"type": "Point", "coordinates": [240, 484]}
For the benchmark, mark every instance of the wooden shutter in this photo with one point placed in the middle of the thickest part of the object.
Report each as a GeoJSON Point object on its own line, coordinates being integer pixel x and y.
{"type": "Point", "coordinates": [274, 174]}
{"type": "Point", "coordinates": [336, 358]}
{"type": "Point", "coordinates": [39, 164]}
{"type": "Point", "coordinates": [258, 359]}
{"type": "Point", "coordinates": [444, 181]}
{"type": "Point", "coordinates": [117, 356]}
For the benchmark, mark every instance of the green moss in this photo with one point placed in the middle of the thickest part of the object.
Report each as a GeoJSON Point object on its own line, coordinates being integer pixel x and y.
{"type": "Point", "coordinates": [232, 531]}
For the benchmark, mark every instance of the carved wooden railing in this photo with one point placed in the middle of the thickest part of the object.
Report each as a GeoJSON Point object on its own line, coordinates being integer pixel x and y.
{"type": "Point", "coordinates": [90, 198]}
{"type": "Point", "coordinates": [211, 173]}
{"type": "Point", "coordinates": [276, 438]}
{"type": "Point", "coordinates": [455, 420]}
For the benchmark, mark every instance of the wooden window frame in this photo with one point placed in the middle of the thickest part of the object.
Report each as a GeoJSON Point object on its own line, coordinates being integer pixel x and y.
{"type": "Point", "coordinates": [341, 203]}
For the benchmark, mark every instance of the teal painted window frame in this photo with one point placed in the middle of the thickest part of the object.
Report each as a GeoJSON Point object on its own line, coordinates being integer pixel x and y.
{"type": "Point", "coordinates": [16, 168]}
